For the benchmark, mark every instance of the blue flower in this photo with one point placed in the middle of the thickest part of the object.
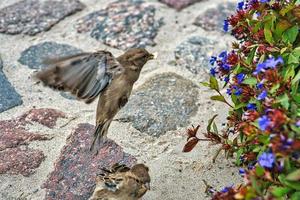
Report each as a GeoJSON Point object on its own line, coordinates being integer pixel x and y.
{"type": "Point", "coordinates": [262, 95]}
{"type": "Point", "coordinates": [270, 63]}
{"type": "Point", "coordinates": [263, 122]}
{"type": "Point", "coordinates": [251, 106]}
{"type": "Point", "coordinates": [260, 85]}
{"type": "Point", "coordinates": [225, 25]}
{"type": "Point", "coordinates": [223, 54]}
{"type": "Point", "coordinates": [264, 1]}
{"type": "Point", "coordinates": [266, 160]}
{"type": "Point", "coordinates": [212, 60]}
{"type": "Point", "coordinates": [240, 77]}
{"type": "Point", "coordinates": [238, 91]}
{"type": "Point", "coordinates": [228, 91]}
{"type": "Point", "coordinates": [226, 189]}
{"type": "Point", "coordinates": [226, 79]}
{"type": "Point", "coordinates": [213, 71]}
{"type": "Point", "coordinates": [240, 5]}
{"type": "Point", "coordinates": [242, 171]}
{"type": "Point", "coordinates": [225, 67]}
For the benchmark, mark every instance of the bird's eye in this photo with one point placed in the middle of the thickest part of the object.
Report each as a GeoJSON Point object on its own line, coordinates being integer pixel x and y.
{"type": "Point", "coordinates": [119, 179]}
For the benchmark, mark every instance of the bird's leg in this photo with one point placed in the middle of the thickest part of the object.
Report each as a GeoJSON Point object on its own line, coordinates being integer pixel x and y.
{"type": "Point", "coordinates": [97, 143]}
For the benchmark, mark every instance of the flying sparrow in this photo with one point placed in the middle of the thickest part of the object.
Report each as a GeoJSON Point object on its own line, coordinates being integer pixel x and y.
{"type": "Point", "coordinates": [89, 75]}
{"type": "Point", "coordinates": [122, 183]}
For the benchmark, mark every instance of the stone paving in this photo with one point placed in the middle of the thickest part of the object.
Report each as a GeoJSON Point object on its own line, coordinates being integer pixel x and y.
{"type": "Point", "coordinates": [45, 135]}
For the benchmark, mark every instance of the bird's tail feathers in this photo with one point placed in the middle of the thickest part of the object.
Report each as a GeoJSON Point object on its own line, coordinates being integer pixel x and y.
{"type": "Point", "coordinates": [100, 134]}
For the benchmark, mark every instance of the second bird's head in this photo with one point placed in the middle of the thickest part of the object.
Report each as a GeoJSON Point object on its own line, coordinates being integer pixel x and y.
{"type": "Point", "coordinates": [137, 57]}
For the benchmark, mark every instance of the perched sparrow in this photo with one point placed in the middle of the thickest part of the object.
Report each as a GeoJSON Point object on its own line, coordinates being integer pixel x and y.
{"type": "Point", "coordinates": [122, 183]}
{"type": "Point", "coordinates": [89, 75]}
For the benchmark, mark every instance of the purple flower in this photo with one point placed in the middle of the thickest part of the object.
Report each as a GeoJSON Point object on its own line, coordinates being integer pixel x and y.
{"type": "Point", "coordinates": [262, 95]}
{"type": "Point", "coordinates": [228, 91]}
{"type": "Point", "coordinates": [270, 63]}
{"type": "Point", "coordinates": [260, 85]}
{"type": "Point", "coordinates": [240, 77]}
{"type": "Point", "coordinates": [213, 71]}
{"type": "Point", "coordinates": [238, 91]}
{"type": "Point", "coordinates": [240, 5]}
{"type": "Point", "coordinates": [298, 123]}
{"type": "Point", "coordinates": [226, 189]}
{"type": "Point", "coordinates": [266, 160]}
{"type": "Point", "coordinates": [226, 79]}
{"type": "Point", "coordinates": [242, 171]}
{"type": "Point", "coordinates": [225, 25]}
{"type": "Point", "coordinates": [264, 1]}
{"type": "Point", "coordinates": [225, 67]}
{"type": "Point", "coordinates": [251, 106]}
{"type": "Point", "coordinates": [212, 60]}
{"type": "Point", "coordinates": [263, 122]}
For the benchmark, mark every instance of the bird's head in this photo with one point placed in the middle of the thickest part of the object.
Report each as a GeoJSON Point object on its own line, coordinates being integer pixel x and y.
{"type": "Point", "coordinates": [137, 57]}
{"type": "Point", "coordinates": [142, 172]}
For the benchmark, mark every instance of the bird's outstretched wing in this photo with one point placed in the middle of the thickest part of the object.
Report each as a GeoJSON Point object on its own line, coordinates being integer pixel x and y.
{"type": "Point", "coordinates": [85, 75]}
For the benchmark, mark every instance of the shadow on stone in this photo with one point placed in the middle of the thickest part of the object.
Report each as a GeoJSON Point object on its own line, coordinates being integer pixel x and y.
{"type": "Point", "coordinates": [76, 168]}
{"type": "Point", "coordinates": [179, 4]}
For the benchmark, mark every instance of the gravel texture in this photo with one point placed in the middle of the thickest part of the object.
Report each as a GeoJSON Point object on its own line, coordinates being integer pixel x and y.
{"type": "Point", "coordinates": [213, 18]}
{"type": "Point", "coordinates": [161, 104]}
{"type": "Point", "coordinates": [34, 16]}
{"type": "Point", "coordinates": [179, 4]}
{"type": "Point", "coordinates": [123, 24]}
{"type": "Point", "coordinates": [193, 53]}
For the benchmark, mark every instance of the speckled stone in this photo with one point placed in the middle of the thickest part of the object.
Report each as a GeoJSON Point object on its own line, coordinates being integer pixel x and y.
{"type": "Point", "coordinates": [76, 168]}
{"type": "Point", "coordinates": [43, 116]}
{"type": "Point", "coordinates": [15, 155]}
{"type": "Point", "coordinates": [20, 161]}
{"type": "Point", "coordinates": [34, 56]}
{"type": "Point", "coordinates": [163, 103]}
{"type": "Point", "coordinates": [194, 53]}
{"type": "Point", "coordinates": [179, 4]}
{"type": "Point", "coordinates": [9, 97]}
{"type": "Point", "coordinates": [122, 24]}
{"type": "Point", "coordinates": [34, 16]}
{"type": "Point", "coordinates": [212, 19]}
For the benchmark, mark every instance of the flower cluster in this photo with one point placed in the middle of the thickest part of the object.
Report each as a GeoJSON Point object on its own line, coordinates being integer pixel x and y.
{"type": "Point", "coordinates": [262, 76]}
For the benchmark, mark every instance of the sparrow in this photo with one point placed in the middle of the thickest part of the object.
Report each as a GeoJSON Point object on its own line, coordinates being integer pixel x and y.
{"type": "Point", "coordinates": [97, 74]}
{"type": "Point", "coordinates": [122, 183]}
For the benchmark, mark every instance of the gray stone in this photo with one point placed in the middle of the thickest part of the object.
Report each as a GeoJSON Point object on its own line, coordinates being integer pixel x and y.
{"type": "Point", "coordinates": [34, 56]}
{"type": "Point", "coordinates": [9, 98]}
{"type": "Point", "coordinates": [122, 24]}
{"type": "Point", "coordinates": [213, 18]}
{"type": "Point", "coordinates": [179, 4]}
{"type": "Point", "coordinates": [163, 103]}
{"type": "Point", "coordinates": [194, 53]}
{"type": "Point", "coordinates": [34, 16]}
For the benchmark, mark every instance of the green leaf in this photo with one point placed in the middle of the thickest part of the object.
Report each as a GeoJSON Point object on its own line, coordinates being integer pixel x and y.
{"type": "Point", "coordinates": [284, 101]}
{"type": "Point", "coordinates": [206, 84]}
{"type": "Point", "coordinates": [208, 128]}
{"type": "Point", "coordinates": [218, 98]}
{"type": "Point", "coordinates": [296, 97]}
{"type": "Point", "coordinates": [251, 56]}
{"type": "Point", "coordinates": [293, 59]}
{"type": "Point", "coordinates": [268, 35]}
{"type": "Point", "coordinates": [290, 35]}
{"type": "Point", "coordinates": [238, 106]}
{"type": "Point", "coordinates": [289, 73]}
{"type": "Point", "coordinates": [296, 78]}
{"type": "Point", "coordinates": [294, 176]}
{"type": "Point", "coordinates": [215, 128]}
{"type": "Point", "coordinates": [295, 196]}
{"type": "Point", "coordinates": [292, 184]}
{"type": "Point", "coordinates": [259, 171]}
{"type": "Point", "coordinates": [250, 81]}
{"type": "Point", "coordinates": [274, 88]}
{"type": "Point", "coordinates": [280, 191]}
{"type": "Point", "coordinates": [213, 83]}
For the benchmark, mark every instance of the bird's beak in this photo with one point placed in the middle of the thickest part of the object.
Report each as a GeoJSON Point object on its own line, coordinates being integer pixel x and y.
{"type": "Point", "coordinates": [147, 186]}
{"type": "Point", "coordinates": [153, 56]}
